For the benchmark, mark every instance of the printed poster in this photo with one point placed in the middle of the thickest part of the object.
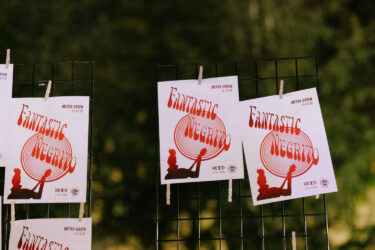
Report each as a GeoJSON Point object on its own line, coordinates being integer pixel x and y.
{"type": "Point", "coordinates": [6, 82]}
{"type": "Point", "coordinates": [47, 143]}
{"type": "Point", "coordinates": [62, 234]}
{"type": "Point", "coordinates": [199, 134]}
{"type": "Point", "coordinates": [286, 147]}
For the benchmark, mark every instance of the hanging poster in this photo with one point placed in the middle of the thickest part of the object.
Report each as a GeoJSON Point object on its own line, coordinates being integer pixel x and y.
{"type": "Point", "coordinates": [62, 234]}
{"type": "Point", "coordinates": [6, 81]}
{"type": "Point", "coordinates": [199, 135]}
{"type": "Point", "coordinates": [286, 147]}
{"type": "Point", "coordinates": [46, 156]}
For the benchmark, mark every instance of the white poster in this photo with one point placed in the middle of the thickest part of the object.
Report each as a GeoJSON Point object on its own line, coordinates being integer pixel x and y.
{"type": "Point", "coordinates": [286, 148]}
{"type": "Point", "coordinates": [199, 135]}
{"type": "Point", "coordinates": [46, 150]}
{"type": "Point", "coordinates": [61, 234]}
{"type": "Point", "coordinates": [6, 85]}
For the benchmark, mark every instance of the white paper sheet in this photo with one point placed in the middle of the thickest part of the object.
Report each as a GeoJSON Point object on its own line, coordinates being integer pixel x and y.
{"type": "Point", "coordinates": [6, 85]}
{"type": "Point", "coordinates": [62, 234]}
{"type": "Point", "coordinates": [46, 150]}
{"type": "Point", "coordinates": [199, 135]}
{"type": "Point", "coordinates": [286, 148]}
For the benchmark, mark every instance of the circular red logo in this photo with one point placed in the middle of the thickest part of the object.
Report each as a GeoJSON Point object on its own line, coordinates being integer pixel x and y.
{"type": "Point", "coordinates": [193, 133]}
{"type": "Point", "coordinates": [41, 153]}
{"type": "Point", "coordinates": [279, 151]}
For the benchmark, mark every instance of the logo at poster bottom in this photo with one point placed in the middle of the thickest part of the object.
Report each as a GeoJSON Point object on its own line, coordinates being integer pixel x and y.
{"type": "Point", "coordinates": [41, 153]}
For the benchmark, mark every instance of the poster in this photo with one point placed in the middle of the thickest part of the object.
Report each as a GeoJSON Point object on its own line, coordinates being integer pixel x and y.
{"type": "Point", "coordinates": [6, 82]}
{"type": "Point", "coordinates": [199, 135]}
{"type": "Point", "coordinates": [285, 146]}
{"type": "Point", "coordinates": [62, 234]}
{"type": "Point", "coordinates": [46, 150]}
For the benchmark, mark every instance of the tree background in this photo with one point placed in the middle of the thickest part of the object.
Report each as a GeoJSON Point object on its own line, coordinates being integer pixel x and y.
{"type": "Point", "coordinates": [128, 38]}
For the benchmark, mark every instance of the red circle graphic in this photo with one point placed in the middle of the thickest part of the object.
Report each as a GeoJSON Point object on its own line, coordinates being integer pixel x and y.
{"type": "Point", "coordinates": [297, 146]}
{"type": "Point", "coordinates": [207, 130]}
{"type": "Point", "coordinates": [36, 165]}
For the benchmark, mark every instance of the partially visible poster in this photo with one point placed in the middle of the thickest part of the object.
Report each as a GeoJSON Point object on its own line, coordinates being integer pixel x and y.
{"type": "Point", "coordinates": [62, 234]}
{"type": "Point", "coordinates": [199, 135]}
{"type": "Point", "coordinates": [6, 83]}
{"type": "Point", "coordinates": [46, 150]}
{"type": "Point", "coordinates": [285, 146]}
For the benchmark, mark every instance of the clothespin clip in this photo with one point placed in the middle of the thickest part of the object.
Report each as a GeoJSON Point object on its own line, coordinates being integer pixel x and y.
{"type": "Point", "coordinates": [48, 90]}
{"type": "Point", "coordinates": [230, 190]}
{"type": "Point", "coordinates": [7, 60]}
{"type": "Point", "coordinates": [281, 90]}
{"type": "Point", "coordinates": [317, 196]}
{"type": "Point", "coordinates": [168, 198]}
{"type": "Point", "coordinates": [12, 213]}
{"type": "Point", "coordinates": [294, 242]}
{"type": "Point", "coordinates": [200, 75]}
{"type": "Point", "coordinates": [81, 211]}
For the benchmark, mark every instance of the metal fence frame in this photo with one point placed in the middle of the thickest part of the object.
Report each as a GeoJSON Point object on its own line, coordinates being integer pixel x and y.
{"type": "Point", "coordinates": [263, 75]}
{"type": "Point", "coordinates": [69, 77]}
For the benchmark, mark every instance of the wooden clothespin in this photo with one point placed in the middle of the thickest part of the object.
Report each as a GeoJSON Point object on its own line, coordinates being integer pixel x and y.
{"type": "Point", "coordinates": [281, 90]}
{"type": "Point", "coordinates": [200, 75]}
{"type": "Point", "coordinates": [81, 211]}
{"type": "Point", "coordinates": [294, 242]}
{"type": "Point", "coordinates": [48, 90]}
{"type": "Point", "coordinates": [230, 190]}
{"type": "Point", "coordinates": [317, 196]}
{"type": "Point", "coordinates": [7, 60]}
{"type": "Point", "coordinates": [12, 213]}
{"type": "Point", "coordinates": [168, 198]}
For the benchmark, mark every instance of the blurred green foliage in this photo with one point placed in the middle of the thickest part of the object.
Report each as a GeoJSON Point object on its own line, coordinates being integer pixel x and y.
{"type": "Point", "coordinates": [128, 38]}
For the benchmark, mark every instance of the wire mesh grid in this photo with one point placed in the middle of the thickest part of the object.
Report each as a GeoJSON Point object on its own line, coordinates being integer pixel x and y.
{"type": "Point", "coordinates": [200, 217]}
{"type": "Point", "coordinates": [73, 78]}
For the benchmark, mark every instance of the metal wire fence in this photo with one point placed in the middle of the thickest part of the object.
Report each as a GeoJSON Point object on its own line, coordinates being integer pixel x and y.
{"type": "Point", "coordinates": [69, 78]}
{"type": "Point", "coordinates": [200, 217]}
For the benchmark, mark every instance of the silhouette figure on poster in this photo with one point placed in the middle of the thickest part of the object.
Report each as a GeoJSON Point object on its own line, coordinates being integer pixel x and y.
{"type": "Point", "coordinates": [265, 192]}
{"type": "Point", "coordinates": [17, 192]}
{"type": "Point", "coordinates": [181, 173]}
{"type": "Point", "coordinates": [16, 180]}
{"type": "Point", "coordinates": [172, 160]}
